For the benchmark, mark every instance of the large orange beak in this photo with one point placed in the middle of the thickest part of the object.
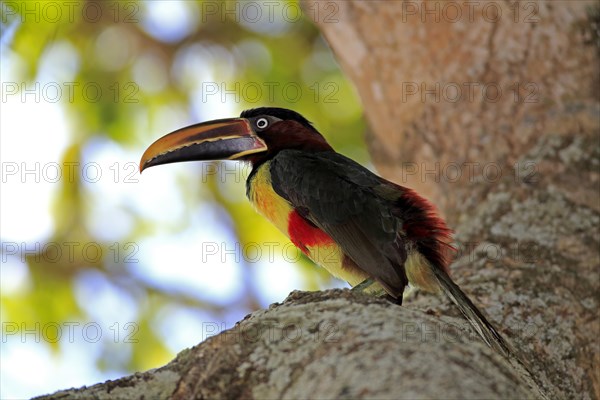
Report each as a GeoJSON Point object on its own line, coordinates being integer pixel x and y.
{"type": "Point", "coordinates": [222, 139]}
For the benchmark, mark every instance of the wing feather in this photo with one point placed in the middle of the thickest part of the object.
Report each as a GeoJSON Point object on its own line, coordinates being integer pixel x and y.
{"type": "Point", "coordinates": [342, 198]}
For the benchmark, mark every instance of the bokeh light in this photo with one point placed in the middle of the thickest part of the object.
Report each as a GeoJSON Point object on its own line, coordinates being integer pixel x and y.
{"type": "Point", "coordinates": [105, 271]}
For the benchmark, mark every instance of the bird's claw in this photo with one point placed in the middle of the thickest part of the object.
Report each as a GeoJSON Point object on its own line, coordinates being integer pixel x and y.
{"type": "Point", "coordinates": [364, 285]}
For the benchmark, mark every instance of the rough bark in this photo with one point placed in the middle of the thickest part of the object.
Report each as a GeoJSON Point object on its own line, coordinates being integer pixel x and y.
{"type": "Point", "coordinates": [535, 211]}
{"type": "Point", "coordinates": [441, 91]}
{"type": "Point", "coordinates": [332, 344]}
{"type": "Point", "coordinates": [528, 237]}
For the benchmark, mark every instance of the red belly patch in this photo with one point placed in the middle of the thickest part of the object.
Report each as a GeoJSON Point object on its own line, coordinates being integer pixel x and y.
{"type": "Point", "coordinates": [303, 233]}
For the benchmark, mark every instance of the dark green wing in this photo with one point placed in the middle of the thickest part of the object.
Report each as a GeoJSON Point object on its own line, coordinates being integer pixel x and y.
{"type": "Point", "coordinates": [349, 203]}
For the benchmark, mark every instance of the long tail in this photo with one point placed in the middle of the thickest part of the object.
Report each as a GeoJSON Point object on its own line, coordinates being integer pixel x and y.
{"type": "Point", "coordinates": [485, 329]}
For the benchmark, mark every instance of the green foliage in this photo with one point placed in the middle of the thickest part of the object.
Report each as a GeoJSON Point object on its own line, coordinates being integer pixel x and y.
{"type": "Point", "coordinates": [150, 85]}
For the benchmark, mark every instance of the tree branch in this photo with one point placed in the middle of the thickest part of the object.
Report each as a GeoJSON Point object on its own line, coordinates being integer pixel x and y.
{"type": "Point", "coordinates": [330, 344]}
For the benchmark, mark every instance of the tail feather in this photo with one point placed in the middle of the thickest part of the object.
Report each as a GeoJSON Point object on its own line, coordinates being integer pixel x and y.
{"type": "Point", "coordinates": [485, 329]}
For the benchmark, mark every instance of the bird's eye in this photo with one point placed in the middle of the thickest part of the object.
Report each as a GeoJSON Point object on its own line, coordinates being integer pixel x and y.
{"type": "Point", "coordinates": [262, 123]}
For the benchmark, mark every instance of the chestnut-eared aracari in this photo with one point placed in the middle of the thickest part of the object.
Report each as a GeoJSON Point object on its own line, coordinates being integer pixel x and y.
{"type": "Point", "coordinates": [362, 228]}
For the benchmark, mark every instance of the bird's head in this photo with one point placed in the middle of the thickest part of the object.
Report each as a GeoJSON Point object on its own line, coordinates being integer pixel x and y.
{"type": "Point", "coordinates": [256, 136]}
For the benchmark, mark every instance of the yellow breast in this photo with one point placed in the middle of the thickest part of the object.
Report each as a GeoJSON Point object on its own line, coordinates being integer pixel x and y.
{"type": "Point", "coordinates": [280, 212]}
{"type": "Point", "coordinates": [268, 203]}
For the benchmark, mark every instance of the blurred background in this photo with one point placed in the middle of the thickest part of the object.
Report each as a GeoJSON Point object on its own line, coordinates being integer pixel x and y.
{"type": "Point", "coordinates": [105, 272]}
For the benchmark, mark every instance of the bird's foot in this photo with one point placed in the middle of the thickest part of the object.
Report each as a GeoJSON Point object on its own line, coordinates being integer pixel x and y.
{"type": "Point", "coordinates": [364, 285]}
{"type": "Point", "coordinates": [410, 292]}
{"type": "Point", "coordinates": [397, 301]}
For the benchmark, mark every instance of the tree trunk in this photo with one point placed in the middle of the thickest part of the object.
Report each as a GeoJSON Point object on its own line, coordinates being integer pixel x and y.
{"type": "Point", "coordinates": [493, 115]}
{"type": "Point", "coordinates": [491, 110]}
